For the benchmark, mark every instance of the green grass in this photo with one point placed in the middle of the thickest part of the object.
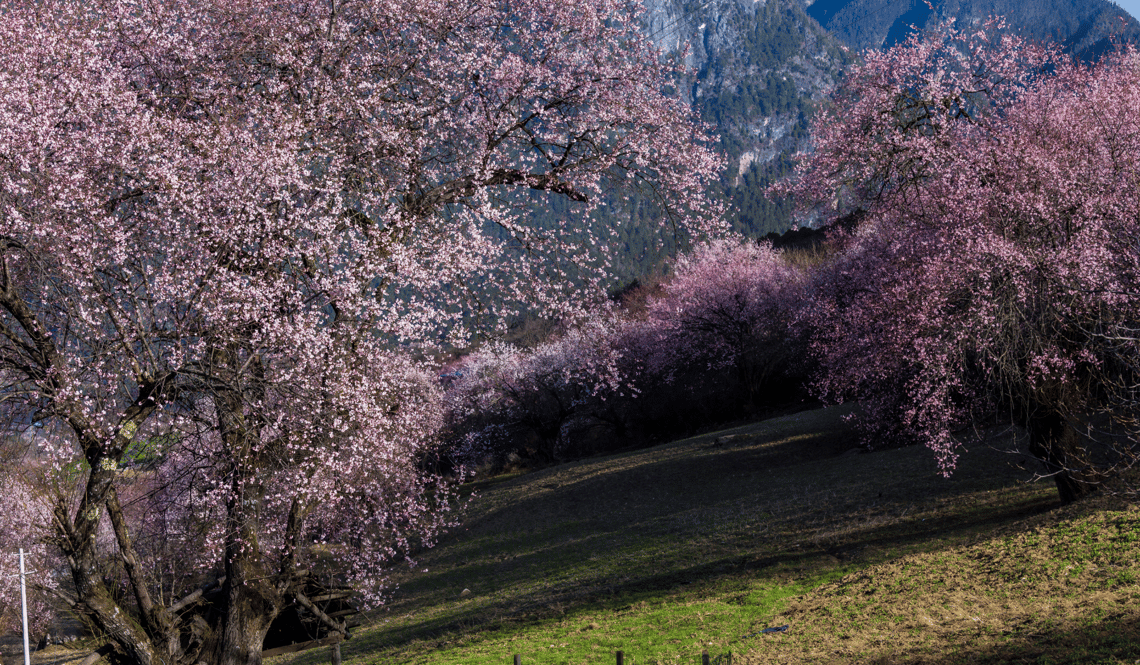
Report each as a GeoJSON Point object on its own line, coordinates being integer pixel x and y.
{"type": "Point", "coordinates": [698, 544]}
{"type": "Point", "coordinates": [1060, 587]}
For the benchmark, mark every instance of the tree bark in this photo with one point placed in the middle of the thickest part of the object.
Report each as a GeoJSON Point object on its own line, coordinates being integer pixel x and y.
{"type": "Point", "coordinates": [251, 599]}
{"type": "Point", "coordinates": [154, 618]}
{"type": "Point", "coordinates": [1054, 441]}
{"type": "Point", "coordinates": [251, 604]}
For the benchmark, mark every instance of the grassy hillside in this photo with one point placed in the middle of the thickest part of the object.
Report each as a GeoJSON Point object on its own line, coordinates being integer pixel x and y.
{"type": "Point", "coordinates": [697, 544]}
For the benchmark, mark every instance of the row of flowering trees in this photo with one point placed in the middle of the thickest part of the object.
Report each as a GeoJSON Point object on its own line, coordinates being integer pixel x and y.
{"type": "Point", "coordinates": [993, 277]}
{"type": "Point", "coordinates": [232, 231]}
{"type": "Point", "coordinates": [708, 343]}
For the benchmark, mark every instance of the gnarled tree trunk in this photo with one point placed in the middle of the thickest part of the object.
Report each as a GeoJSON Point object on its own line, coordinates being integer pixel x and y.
{"type": "Point", "coordinates": [1054, 441]}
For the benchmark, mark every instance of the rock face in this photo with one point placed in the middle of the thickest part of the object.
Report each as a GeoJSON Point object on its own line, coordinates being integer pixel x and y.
{"type": "Point", "coordinates": [759, 68]}
{"type": "Point", "coordinates": [1086, 28]}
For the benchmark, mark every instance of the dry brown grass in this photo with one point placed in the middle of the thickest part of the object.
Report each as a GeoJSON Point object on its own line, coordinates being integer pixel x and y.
{"type": "Point", "coordinates": [1058, 587]}
{"type": "Point", "coordinates": [809, 256]}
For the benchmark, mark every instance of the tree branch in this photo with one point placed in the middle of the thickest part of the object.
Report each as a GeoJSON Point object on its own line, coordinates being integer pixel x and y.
{"type": "Point", "coordinates": [155, 619]}
{"type": "Point", "coordinates": [325, 619]}
{"type": "Point", "coordinates": [196, 595]}
{"type": "Point", "coordinates": [95, 655]}
{"type": "Point", "coordinates": [68, 599]}
{"type": "Point", "coordinates": [546, 182]}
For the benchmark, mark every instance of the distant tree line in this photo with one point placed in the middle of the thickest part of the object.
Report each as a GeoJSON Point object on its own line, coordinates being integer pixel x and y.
{"type": "Point", "coordinates": [983, 270]}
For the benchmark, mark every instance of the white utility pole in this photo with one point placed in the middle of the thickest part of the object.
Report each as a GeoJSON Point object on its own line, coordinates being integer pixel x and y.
{"type": "Point", "coordinates": [24, 609]}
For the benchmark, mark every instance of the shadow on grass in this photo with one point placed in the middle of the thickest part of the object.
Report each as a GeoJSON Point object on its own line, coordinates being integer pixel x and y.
{"type": "Point", "coordinates": [1081, 641]}
{"type": "Point", "coordinates": [784, 501]}
{"type": "Point", "coordinates": [1073, 642]}
{"type": "Point", "coordinates": [867, 548]}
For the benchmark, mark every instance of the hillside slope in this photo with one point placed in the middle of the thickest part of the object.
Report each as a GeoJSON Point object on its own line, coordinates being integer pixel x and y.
{"type": "Point", "coordinates": [697, 544]}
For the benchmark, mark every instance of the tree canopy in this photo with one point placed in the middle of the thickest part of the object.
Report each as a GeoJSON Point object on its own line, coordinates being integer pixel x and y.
{"type": "Point", "coordinates": [994, 275]}
{"type": "Point", "coordinates": [232, 229]}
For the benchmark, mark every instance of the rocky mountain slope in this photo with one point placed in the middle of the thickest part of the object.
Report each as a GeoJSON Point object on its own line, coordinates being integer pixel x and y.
{"type": "Point", "coordinates": [1086, 28]}
{"type": "Point", "coordinates": [762, 66]}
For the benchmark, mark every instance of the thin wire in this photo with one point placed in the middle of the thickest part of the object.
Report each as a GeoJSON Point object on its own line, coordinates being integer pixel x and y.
{"type": "Point", "coordinates": [666, 29]}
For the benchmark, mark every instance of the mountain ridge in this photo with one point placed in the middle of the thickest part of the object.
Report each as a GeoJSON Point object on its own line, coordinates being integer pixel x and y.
{"type": "Point", "coordinates": [1084, 28]}
{"type": "Point", "coordinates": [761, 67]}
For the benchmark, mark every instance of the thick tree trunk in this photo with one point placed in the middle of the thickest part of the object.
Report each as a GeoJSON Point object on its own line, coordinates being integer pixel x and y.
{"type": "Point", "coordinates": [251, 606]}
{"type": "Point", "coordinates": [251, 598]}
{"type": "Point", "coordinates": [1054, 441]}
{"type": "Point", "coordinates": [77, 537]}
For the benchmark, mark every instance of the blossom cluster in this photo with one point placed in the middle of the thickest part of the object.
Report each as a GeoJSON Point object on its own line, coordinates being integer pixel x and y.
{"type": "Point", "coordinates": [234, 231]}
{"type": "Point", "coordinates": [710, 341]}
{"type": "Point", "coordinates": [994, 273]}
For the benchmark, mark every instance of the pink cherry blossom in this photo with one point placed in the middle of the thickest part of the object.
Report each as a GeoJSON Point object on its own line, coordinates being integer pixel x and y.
{"type": "Point", "coordinates": [994, 274]}
{"type": "Point", "coordinates": [233, 230]}
{"type": "Point", "coordinates": [729, 304]}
